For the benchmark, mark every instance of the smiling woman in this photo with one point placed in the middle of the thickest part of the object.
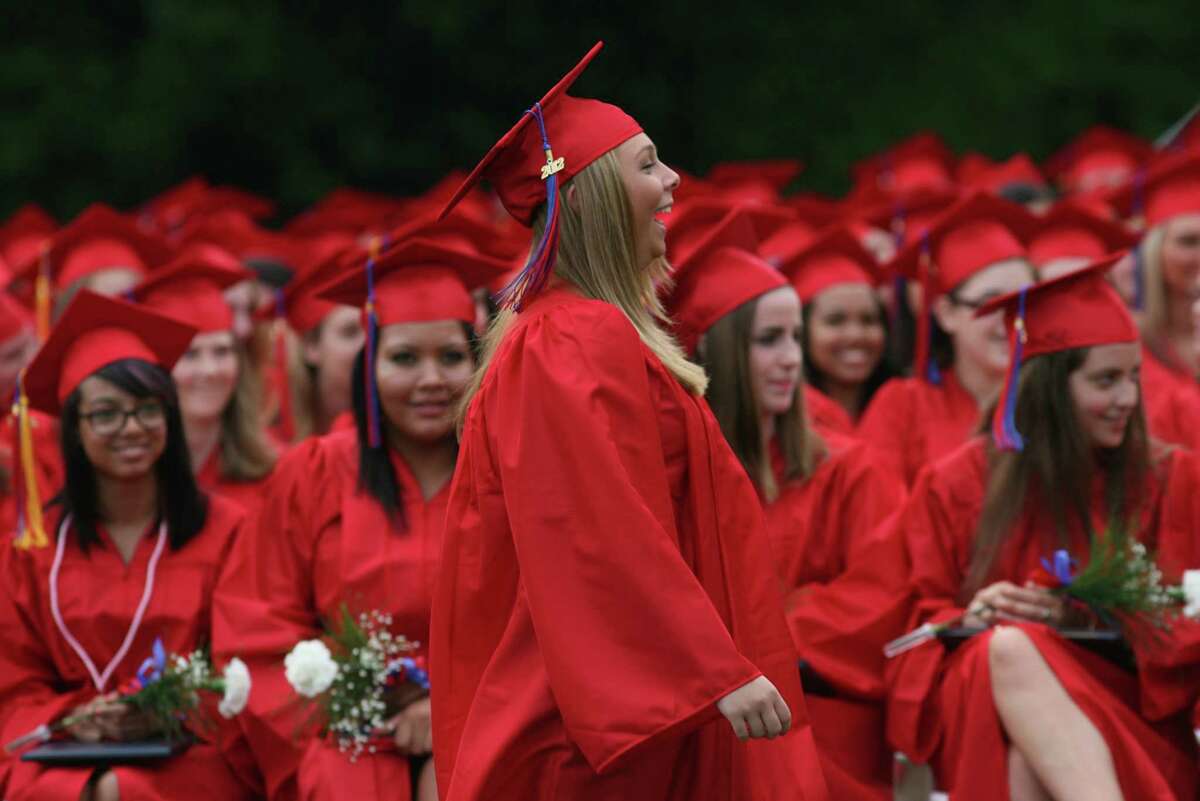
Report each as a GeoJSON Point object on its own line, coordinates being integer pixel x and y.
{"type": "Point", "coordinates": [354, 520]}
{"type": "Point", "coordinates": [1019, 710]}
{"type": "Point", "coordinates": [606, 623]}
{"type": "Point", "coordinates": [134, 551]}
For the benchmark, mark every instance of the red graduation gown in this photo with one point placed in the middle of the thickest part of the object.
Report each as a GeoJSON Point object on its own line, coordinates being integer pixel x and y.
{"type": "Point", "coordinates": [825, 413]}
{"type": "Point", "coordinates": [605, 582]}
{"type": "Point", "coordinates": [42, 678]}
{"type": "Point", "coordinates": [940, 704]}
{"type": "Point", "coordinates": [319, 543]}
{"type": "Point", "coordinates": [246, 494]}
{"type": "Point", "coordinates": [1174, 415]}
{"type": "Point", "coordinates": [912, 423]}
{"type": "Point", "coordinates": [47, 462]}
{"type": "Point", "coordinates": [1159, 379]}
{"type": "Point", "coordinates": [843, 566]}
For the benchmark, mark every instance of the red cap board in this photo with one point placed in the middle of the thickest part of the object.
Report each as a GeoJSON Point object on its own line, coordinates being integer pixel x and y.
{"type": "Point", "coordinates": [690, 221]}
{"type": "Point", "coordinates": [906, 214]}
{"type": "Point", "coordinates": [96, 331]}
{"type": "Point", "coordinates": [579, 130]}
{"type": "Point", "coordinates": [981, 173]}
{"type": "Point", "coordinates": [975, 233]}
{"type": "Point", "coordinates": [920, 162]}
{"type": "Point", "coordinates": [191, 288]}
{"type": "Point", "coordinates": [418, 280]}
{"type": "Point", "coordinates": [835, 257]}
{"type": "Point", "coordinates": [100, 238]}
{"type": "Point", "coordinates": [1099, 158]}
{"type": "Point", "coordinates": [552, 142]}
{"type": "Point", "coordinates": [1171, 188]}
{"type": "Point", "coordinates": [1072, 231]}
{"type": "Point", "coordinates": [720, 273]}
{"type": "Point", "coordinates": [22, 235]}
{"type": "Point", "coordinates": [1076, 310]}
{"type": "Point", "coordinates": [302, 307]}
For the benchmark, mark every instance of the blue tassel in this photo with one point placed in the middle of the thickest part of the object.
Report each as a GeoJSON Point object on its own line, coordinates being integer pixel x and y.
{"type": "Point", "coordinates": [374, 438]}
{"type": "Point", "coordinates": [1004, 423]}
{"type": "Point", "coordinates": [536, 272]}
{"type": "Point", "coordinates": [1063, 567]}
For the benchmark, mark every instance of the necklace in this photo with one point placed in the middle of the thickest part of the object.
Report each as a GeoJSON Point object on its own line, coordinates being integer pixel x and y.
{"type": "Point", "coordinates": [100, 680]}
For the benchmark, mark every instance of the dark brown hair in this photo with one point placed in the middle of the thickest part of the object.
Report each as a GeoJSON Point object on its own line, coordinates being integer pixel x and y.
{"type": "Point", "coordinates": [725, 354]}
{"type": "Point", "coordinates": [1057, 468]}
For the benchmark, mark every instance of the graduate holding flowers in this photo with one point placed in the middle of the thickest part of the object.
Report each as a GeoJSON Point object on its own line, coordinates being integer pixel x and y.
{"type": "Point", "coordinates": [126, 556]}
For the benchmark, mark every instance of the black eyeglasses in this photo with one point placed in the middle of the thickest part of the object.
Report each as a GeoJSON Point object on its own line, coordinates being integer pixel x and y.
{"type": "Point", "coordinates": [151, 415]}
{"type": "Point", "coordinates": [973, 305]}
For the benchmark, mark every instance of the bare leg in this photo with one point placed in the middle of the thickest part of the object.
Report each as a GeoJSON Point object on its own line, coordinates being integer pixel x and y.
{"type": "Point", "coordinates": [1023, 784]}
{"type": "Point", "coordinates": [427, 783]}
{"type": "Point", "coordinates": [1058, 741]}
{"type": "Point", "coordinates": [106, 788]}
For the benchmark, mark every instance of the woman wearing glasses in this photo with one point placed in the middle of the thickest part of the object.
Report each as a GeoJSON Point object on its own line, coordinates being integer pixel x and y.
{"type": "Point", "coordinates": [971, 254]}
{"type": "Point", "coordinates": [127, 555]}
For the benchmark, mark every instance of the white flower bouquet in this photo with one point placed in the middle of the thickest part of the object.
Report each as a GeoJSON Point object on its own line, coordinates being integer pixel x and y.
{"type": "Point", "coordinates": [357, 677]}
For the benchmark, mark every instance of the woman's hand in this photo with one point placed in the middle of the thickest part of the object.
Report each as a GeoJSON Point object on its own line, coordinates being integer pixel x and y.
{"type": "Point", "coordinates": [1006, 601]}
{"type": "Point", "coordinates": [122, 722]}
{"type": "Point", "coordinates": [86, 729]}
{"type": "Point", "coordinates": [756, 710]}
{"type": "Point", "coordinates": [412, 729]}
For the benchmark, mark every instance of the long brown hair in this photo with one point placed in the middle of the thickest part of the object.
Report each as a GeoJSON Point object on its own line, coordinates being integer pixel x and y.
{"type": "Point", "coordinates": [1058, 466]}
{"type": "Point", "coordinates": [725, 353]}
{"type": "Point", "coordinates": [596, 256]}
{"type": "Point", "coordinates": [247, 454]}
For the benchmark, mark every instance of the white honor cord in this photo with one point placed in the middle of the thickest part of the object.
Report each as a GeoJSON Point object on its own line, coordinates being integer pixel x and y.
{"type": "Point", "coordinates": [101, 679]}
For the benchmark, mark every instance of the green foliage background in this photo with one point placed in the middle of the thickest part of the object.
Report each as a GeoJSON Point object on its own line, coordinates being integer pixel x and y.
{"type": "Point", "coordinates": [118, 100]}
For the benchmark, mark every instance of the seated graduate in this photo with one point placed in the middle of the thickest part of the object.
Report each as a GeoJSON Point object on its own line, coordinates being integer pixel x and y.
{"type": "Point", "coordinates": [1019, 711]}
{"type": "Point", "coordinates": [128, 553]}
{"type": "Point", "coordinates": [826, 502]}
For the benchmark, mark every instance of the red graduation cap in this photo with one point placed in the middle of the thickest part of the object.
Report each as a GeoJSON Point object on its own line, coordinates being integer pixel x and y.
{"type": "Point", "coordinates": [1171, 187]}
{"type": "Point", "coordinates": [721, 272]}
{"type": "Point", "coordinates": [754, 181]}
{"type": "Point", "coordinates": [99, 239]}
{"type": "Point", "coordinates": [348, 211]}
{"type": "Point", "coordinates": [920, 162]}
{"type": "Point", "coordinates": [419, 280]}
{"type": "Point", "coordinates": [191, 288]}
{"type": "Point", "coordinates": [331, 255]}
{"type": "Point", "coordinates": [835, 257]}
{"type": "Point", "coordinates": [1098, 159]}
{"type": "Point", "coordinates": [692, 220]}
{"type": "Point", "coordinates": [93, 332]}
{"type": "Point", "coordinates": [551, 142]}
{"type": "Point", "coordinates": [1076, 310]}
{"type": "Point", "coordinates": [22, 235]}
{"type": "Point", "coordinates": [1073, 231]}
{"type": "Point", "coordinates": [975, 233]}
{"type": "Point", "coordinates": [979, 172]}
{"type": "Point", "coordinates": [96, 331]}
{"type": "Point", "coordinates": [905, 214]}
{"type": "Point", "coordinates": [14, 318]}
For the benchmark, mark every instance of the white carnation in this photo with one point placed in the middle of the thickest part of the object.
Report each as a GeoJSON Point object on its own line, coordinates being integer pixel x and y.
{"type": "Point", "coordinates": [1191, 591]}
{"type": "Point", "coordinates": [310, 668]}
{"type": "Point", "coordinates": [237, 688]}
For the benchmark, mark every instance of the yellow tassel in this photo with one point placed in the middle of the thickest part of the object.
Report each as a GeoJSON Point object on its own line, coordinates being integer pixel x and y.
{"type": "Point", "coordinates": [41, 297]}
{"type": "Point", "coordinates": [34, 533]}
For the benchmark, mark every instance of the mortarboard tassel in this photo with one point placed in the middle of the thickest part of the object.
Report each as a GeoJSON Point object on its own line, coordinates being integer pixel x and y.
{"type": "Point", "coordinates": [536, 272]}
{"type": "Point", "coordinates": [41, 295]}
{"type": "Point", "coordinates": [287, 423]}
{"type": "Point", "coordinates": [899, 284]}
{"type": "Point", "coordinates": [374, 437]}
{"type": "Point", "coordinates": [28, 497]}
{"type": "Point", "coordinates": [1004, 421]}
{"type": "Point", "coordinates": [925, 366]}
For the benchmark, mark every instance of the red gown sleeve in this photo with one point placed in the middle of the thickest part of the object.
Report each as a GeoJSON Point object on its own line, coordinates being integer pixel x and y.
{"type": "Point", "coordinates": [840, 626]}
{"type": "Point", "coordinates": [885, 426]}
{"type": "Point", "coordinates": [633, 648]}
{"type": "Point", "coordinates": [29, 695]}
{"type": "Point", "coordinates": [934, 526]}
{"type": "Point", "coordinates": [263, 606]}
{"type": "Point", "coordinates": [1169, 674]}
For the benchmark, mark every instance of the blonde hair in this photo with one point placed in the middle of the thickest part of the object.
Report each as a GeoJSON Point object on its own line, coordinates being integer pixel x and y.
{"type": "Point", "coordinates": [1153, 319]}
{"type": "Point", "coordinates": [246, 452]}
{"type": "Point", "coordinates": [302, 385]}
{"type": "Point", "coordinates": [596, 255]}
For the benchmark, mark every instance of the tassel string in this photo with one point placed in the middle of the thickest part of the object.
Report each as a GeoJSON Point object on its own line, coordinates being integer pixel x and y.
{"type": "Point", "coordinates": [1004, 423]}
